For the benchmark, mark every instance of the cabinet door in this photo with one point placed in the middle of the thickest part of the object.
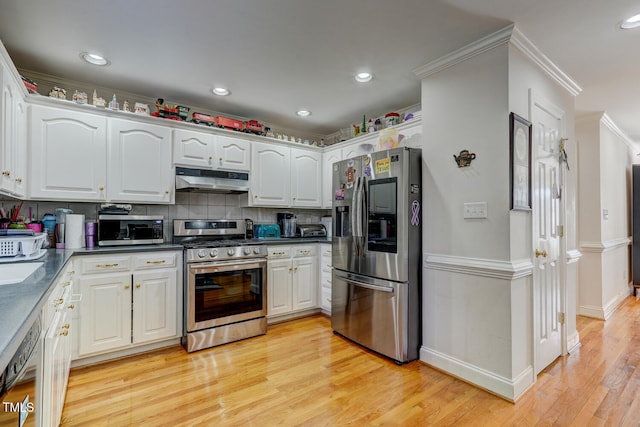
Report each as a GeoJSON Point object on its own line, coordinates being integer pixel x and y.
{"type": "Point", "coordinates": [68, 155]}
{"type": "Point", "coordinates": [305, 283]}
{"type": "Point", "coordinates": [155, 305]}
{"type": "Point", "coordinates": [366, 145]}
{"type": "Point", "coordinates": [328, 159]}
{"type": "Point", "coordinates": [140, 163]}
{"type": "Point", "coordinates": [12, 136]}
{"type": "Point", "coordinates": [270, 175]}
{"type": "Point", "coordinates": [20, 178]}
{"type": "Point", "coordinates": [105, 313]}
{"type": "Point", "coordinates": [279, 282]}
{"type": "Point", "coordinates": [192, 148]}
{"type": "Point", "coordinates": [306, 178]}
{"type": "Point", "coordinates": [233, 154]}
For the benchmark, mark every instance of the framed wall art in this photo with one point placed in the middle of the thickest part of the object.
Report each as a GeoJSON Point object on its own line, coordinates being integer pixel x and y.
{"type": "Point", "coordinates": [520, 165]}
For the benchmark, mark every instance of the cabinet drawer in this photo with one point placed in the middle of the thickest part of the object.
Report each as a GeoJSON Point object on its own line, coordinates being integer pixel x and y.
{"type": "Point", "coordinates": [325, 280]}
{"type": "Point", "coordinates": [279, 251]}
{"type": "Point", "coordinates": [325, 303]}
{"type": "Point", "coordinates": [95, 264]}
{"type": "Point", "coordinates": [300, 251]}
{"type": "Point", "coordinates": [155, 260]}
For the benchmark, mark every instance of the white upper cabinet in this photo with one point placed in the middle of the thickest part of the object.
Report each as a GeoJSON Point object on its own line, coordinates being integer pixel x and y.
{"type": "Point", "coordinates": [13, 137]}
{"type": "Point", "coordinates": [306, 178]}
{"type": "Point", "coordinates": [329, 157]}
{"type": "Point", "coordinates": [209, 151]}
{"type": "Point", "coordinates": [191, 148]}
{"type": "Point", "coordinates": [270, 175]}
{"type": "Point", "coordinates": [68, 155]}
{"type": "Point", "coordinates": [233, 154]}
{"type": "Point", "coordinates": [140, 167]}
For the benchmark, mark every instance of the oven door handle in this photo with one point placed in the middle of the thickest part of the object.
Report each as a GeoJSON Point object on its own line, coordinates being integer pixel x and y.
{"type": "Point", "coordinates": [236, 264]}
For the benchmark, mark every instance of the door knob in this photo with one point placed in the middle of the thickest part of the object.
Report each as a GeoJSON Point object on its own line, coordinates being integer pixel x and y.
{"type": "Point", "coordinates": [541, 253]}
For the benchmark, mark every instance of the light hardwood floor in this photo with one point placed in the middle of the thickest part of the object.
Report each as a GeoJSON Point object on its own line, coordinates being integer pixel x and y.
{"type": "Point", "coordinates": [300, 373]}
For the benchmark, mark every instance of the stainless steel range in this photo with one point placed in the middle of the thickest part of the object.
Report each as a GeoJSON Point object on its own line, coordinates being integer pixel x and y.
{"type": "Point", "coordinates": [225, 282]}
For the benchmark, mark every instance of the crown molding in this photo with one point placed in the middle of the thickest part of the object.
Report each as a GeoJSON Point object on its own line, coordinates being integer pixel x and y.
{"type": "Point", "coordinates": [524, 45]}
{"type": "Point", "coordinates": [606, 120]}
{"type": "Point", "coordinates": [509, 34]}
{"type": "Point", "coordinates": [482, 45]}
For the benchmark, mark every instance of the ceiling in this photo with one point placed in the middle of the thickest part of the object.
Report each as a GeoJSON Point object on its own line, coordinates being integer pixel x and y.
{"type": "Point", "coordinates": [280, 56]}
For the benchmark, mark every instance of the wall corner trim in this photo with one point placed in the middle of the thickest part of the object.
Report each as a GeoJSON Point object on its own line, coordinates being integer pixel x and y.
{"type": "Point", "coordinates": [503, 270]}
{"type": "Point", "coordinates": [573, 256]}
{"type": "Point", "coordinates": [484, 44]}
{"type": "Point", "coordinates": [606, 246]}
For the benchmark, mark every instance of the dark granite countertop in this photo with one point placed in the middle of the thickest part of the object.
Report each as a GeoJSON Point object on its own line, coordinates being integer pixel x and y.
{"type": "Point", "coordinates": [20, 303]}
{"type": "Point", "coordinates": [296, 240]}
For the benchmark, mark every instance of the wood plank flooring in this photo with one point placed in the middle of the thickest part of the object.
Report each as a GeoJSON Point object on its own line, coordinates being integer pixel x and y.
{"type": "Point", "coordinates": [300, 373]}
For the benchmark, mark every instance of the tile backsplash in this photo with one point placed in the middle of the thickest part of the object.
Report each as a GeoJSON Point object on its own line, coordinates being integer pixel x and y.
{"type": "Point", "coordinates": [188, 205]}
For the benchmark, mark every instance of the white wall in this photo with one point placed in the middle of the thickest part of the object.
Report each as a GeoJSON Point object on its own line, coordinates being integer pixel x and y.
{"type": "Point", "coordinates": [605, 215]}
{"type": "Point", "coordinates": [477, 289]}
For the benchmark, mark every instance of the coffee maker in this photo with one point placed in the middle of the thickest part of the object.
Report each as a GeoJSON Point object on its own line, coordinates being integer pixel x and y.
{"type": "Point", "coordinates": [287, 222]}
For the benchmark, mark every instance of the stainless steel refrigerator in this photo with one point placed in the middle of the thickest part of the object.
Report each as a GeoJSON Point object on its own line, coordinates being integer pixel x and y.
{"type": "Point", "coordinates": [375, 291]}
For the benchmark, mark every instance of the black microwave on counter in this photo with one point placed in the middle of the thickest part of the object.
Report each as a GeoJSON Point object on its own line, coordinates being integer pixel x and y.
{"type": "Point", "coordinates": [120, 230]}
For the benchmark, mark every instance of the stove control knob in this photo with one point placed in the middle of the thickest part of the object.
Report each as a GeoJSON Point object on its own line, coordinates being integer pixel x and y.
{"type": "Point", "coordinates": [247, 251]}
{"type": "Point", "coordinates": [213, 253]}
{"type": "Point", "coordinates": [202, 253]}
{"type": "Point", "coordinates": [256, 250]}
{"type": "Point", "coordinates": [231, 251]}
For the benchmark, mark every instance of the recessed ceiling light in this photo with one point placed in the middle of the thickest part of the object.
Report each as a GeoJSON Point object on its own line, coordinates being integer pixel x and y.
{"type": "Point", "coordinates": [303, 113]}
{"type": "Point", "coordinates": [94, 59]}
{"type": "Point", "coordinates": [364, 77]}
{"type": "Point", "coordinates": [220, 91]}
{"type": "Point", "coordinates": [630, 23]}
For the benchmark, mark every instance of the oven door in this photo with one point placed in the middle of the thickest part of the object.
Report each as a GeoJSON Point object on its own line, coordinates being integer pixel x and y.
{"type": "Point", "coordinates": [224, 292]}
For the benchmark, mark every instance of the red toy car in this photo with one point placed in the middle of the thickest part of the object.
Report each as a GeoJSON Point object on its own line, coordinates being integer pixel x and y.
{"type": "Point", "coordinates": [200, 118]}
{"type": "Point", "coordinates": [254, 126]}
{"type": "Point", "coordinates": [227, 123]}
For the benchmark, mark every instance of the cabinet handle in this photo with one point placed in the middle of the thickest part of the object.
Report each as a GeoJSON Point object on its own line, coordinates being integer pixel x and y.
{"type": "Point", "coordinates": [18, 180]}
{"type": "Point", "coordinates": [67, 283]}
{"type": "Point", "coordinates": [71, 307]}
{"type": "Point", "coordinates": [166, 192]}
{"type": "Point", "coordinates": [220, 160]}
{"type": "Point", "coordinates": [64, 333]}
{"type": "Point", "coordinates": [72, 272]}
{"type": "Point", "coordinates": [161, 261]}
{"type": "Point", "coordinates": [106, 265]}
{"type": "Point", "coordinates": [255, 196]}
{"type": "Point", "coordinates": [57, 302]}
{"type": "Point", "coordinates": [66, 326]}
{"type": "Point", "coordinates": [137, 285]}
{"type": "Point", "coordinates": [210, 157]}
{"type": "Point", "coordinates": [295, 268]}
{"type": "Point", "coordinates": [101, 188]}
{"type": "Point", "coordinates": [127, 286]}
{"type": "Point", "coordinates": [290, 268]}
{"type": "Point", "coordinates": [6, 173]}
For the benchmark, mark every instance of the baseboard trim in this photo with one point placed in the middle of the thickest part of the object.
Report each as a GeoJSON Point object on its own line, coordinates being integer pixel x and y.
{"type": "Point", "coordinates": [573, 342]}
{"type": "Point", "coordinates": [509, 389]}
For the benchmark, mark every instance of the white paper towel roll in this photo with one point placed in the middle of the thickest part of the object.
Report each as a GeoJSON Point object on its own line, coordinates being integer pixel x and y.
{"type": "Point", "coordinates": [74, 231]}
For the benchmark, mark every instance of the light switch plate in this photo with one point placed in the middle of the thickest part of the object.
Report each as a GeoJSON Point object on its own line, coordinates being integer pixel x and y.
{"type": "Point", "coordinates": [475, 210]}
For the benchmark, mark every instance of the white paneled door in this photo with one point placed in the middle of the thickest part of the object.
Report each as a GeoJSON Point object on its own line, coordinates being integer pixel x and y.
{"type": "Point", "coordinates": [547, 232]}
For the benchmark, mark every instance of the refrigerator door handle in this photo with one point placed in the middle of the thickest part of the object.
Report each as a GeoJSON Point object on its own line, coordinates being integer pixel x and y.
{"type": "Point", "coordinates": [350, 279]}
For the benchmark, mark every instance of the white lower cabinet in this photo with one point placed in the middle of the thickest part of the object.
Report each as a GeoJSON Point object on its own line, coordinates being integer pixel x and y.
{"type": "Point", "coordinates": [325, 277]}
{"type": "Point", "coordinates": [128, 300]}
{"type": "Point", "coordinates": [56, 357]}
{"type": "Point", "coordinates": [292, 279]}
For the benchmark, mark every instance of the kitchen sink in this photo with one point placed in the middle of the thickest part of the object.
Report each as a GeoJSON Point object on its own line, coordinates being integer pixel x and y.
{"type": "Point", "coordinates": [17, 272]}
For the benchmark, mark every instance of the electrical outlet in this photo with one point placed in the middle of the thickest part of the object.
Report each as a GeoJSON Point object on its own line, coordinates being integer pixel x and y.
{"type": "Point", "coordinates": [475, 210]}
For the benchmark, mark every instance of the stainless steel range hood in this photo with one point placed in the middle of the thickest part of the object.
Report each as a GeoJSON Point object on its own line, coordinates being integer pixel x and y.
{"type": "Point", "coordinates": [191, 179]}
